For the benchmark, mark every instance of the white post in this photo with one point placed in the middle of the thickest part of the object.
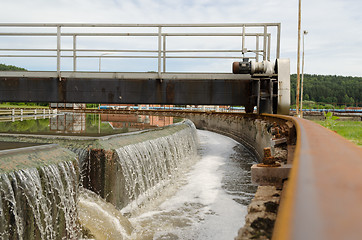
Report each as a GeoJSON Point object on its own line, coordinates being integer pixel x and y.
{"type": "Point", "coordinates": [159, 50]}
{"type": "Point", "coordinates": [58, 50]}
{"type": "Point", "coordinates": [74, 53]}
{"type": "Point", "coordinates": [301, 87]}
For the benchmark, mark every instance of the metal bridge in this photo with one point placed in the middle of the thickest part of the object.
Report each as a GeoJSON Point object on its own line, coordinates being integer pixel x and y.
{"type": "Point", "coordinates": [263, 82]}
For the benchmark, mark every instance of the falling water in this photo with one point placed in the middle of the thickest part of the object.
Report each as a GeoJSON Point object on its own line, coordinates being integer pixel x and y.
{"type": "Point", "coordinates": [101, 218]}
{"type": "Point", "coordinates": [39, 203]}
{"type": "Point", "coordinates": [148, 166]}
{"type": "Point", "coordinates": [208, 200]}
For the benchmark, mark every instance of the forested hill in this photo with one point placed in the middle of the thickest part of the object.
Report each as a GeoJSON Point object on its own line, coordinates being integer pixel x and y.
{"type": "Point", "coordinates": [4, 67]}
{"type": "Point", "coordinates": [337, 90]}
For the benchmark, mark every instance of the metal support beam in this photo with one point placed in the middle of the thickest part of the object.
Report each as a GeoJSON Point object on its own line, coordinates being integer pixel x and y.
{"type": "Point", "coordinates": [126, 91]}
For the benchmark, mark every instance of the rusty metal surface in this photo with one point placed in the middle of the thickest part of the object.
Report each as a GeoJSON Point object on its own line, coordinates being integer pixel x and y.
{"type": "Point", "coordinates": [125, 91]}
{"type": "Point", "coordinates": [323, 195]}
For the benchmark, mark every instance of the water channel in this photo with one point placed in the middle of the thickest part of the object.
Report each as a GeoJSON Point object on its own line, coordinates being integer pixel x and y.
{"type": "Point", "coordinates": [209, 200]}
{"type": "Point", "coordinates": [205, 198]}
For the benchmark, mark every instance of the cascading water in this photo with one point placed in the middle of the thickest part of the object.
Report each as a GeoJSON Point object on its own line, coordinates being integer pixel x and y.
{"type": "Point", "coordinates": [83, 163]}
{"type": "Point", "coordinates": [45, 202]}
{"type": "Point", "coordinates": [208, 200]}
{"type": "Point", "coordinates": [101, 218]}
{"type": "Point", "coordinates": [39, 203]}
{"type": "Point", "coordinates": [148, 166]}
{"type": "Point", "coordinates": [205, 203]}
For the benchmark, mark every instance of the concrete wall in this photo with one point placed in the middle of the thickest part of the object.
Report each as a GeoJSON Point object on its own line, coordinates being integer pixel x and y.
{"type": "Point", "coordinates": [252, 132]}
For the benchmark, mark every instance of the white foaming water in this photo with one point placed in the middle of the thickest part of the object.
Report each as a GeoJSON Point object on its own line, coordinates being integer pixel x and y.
{"type": "Point", "coordinates": [46, 194]}
{"type": "Point", "coordinates": [149, 166]}
{"type": "Point", "coordinates": [201, 208]}
{"type": "Point", "coordinates": [101, 218]}
{"type": "Point", "coordinates": [203, 201]}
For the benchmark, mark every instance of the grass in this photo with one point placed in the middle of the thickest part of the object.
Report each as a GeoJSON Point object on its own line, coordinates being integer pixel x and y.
{"type": "Point", "coordinates": [9, 105]}
{"type": "Point", "coordinates": [352, 130]}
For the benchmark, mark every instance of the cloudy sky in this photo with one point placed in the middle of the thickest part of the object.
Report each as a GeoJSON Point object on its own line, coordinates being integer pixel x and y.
{"type": "Point", "coordinates": [333, 45]}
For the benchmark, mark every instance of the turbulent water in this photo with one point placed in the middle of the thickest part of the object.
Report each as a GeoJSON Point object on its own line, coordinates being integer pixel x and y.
{"type": "Point", "coordinates": [191, 184]}
{"type": "Point", "coordinates": [39, 203]}
{"type": "Point", "coordinates": [207, 200]}
{"type": "Point", "coordinates": [101, 218]}
{"type": "Point", "coordinates": [150, 165]}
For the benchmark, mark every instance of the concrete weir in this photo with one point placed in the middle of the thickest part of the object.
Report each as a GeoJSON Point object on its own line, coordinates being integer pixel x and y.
{"type": "Point", "coordinates": [38, 188]}
{"type": "Point", "coordinates": [39, 185]}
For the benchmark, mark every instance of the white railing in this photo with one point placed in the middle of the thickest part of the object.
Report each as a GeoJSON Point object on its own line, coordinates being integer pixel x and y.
{"type": "Point", "coordinates": [258, 47]}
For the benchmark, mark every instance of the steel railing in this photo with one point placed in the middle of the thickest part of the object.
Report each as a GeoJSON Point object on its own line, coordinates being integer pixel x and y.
{"type": "Point", "coordinates": [162, 32]}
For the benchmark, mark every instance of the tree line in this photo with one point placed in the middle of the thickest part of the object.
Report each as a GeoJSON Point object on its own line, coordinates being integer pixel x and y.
{"type": "Point", "coordinates": [4, 67]}
{"type": "Point", "coordinates": [329, 89]}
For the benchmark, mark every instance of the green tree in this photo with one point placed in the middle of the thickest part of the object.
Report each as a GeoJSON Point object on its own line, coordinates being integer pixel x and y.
{"type": "Point", "coordinates": [4, 67]}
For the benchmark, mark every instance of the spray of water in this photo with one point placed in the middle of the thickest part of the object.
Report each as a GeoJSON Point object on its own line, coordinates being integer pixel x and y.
{"type": "Point", "coordinates": [39, 203]}
{"type": "Point", "coordinates": [101, 218]}
{"type": "Point", "coordinates": [150, 165]}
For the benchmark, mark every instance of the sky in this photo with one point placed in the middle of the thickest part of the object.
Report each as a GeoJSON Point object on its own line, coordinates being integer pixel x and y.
{"type": "Point", "coordinates": [333, 45]}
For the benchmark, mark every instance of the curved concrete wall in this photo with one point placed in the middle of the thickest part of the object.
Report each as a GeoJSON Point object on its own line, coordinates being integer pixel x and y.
{"type": "Point", "coordinates": [255, 131]}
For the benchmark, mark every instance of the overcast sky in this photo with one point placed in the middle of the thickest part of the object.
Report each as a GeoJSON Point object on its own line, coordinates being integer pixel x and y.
{"type": "Point", "coordinates": [333, 45]}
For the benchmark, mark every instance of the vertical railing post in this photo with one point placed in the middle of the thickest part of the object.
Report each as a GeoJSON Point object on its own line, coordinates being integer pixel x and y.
{"type": "Point", "coordinates": [58, 50]}
{"type": "Point", "coordinates": [159, 50]}
{"type": "Point", "coordinates": [257, 49]}
{"type": "Point", "coordinates": [268, 54]}
{"type": "Point", "coordinates": [278, 41]}
{"type": "Point", "coordinates": [164, 53]}
{"type": "Point", "coordinates": [74, 53]}
{"type": "Point", "coordinates": [243, 42]}
{"type": "Point", "coordinates": [265, 42]}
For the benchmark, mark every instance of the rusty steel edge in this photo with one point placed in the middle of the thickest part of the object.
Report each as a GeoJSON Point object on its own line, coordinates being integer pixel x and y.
{"type": "Point", "coordinates": [321, 197]}
{"type": "Point", "coordinates": [283, 227]}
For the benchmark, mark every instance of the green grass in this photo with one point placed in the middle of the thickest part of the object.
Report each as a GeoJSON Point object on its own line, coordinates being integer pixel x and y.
{"type": "Point", "coordinates": [352, 130]}
{"type": "Point", "coordinates": [9, 105]}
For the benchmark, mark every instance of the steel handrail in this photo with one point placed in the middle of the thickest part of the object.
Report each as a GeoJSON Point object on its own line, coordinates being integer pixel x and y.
{"type": "Point", "coordinates": [161, 31]}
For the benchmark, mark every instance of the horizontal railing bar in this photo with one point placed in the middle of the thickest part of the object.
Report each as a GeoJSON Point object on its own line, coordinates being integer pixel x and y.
{"type": "Point", "coordinates": [30, 50]}
{"type": "Point", "coordinates": [105, 25]}
{"type": "Point", "coordinates": [10, 34]}
{"type": "Point", "coordinates": [104, 50]}
{"type": "Point", "coordinates": [54, 56]}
